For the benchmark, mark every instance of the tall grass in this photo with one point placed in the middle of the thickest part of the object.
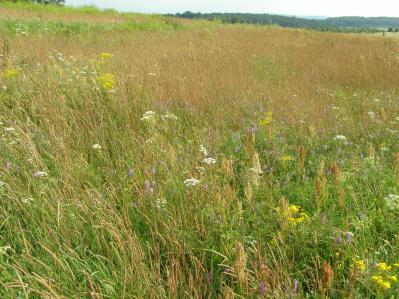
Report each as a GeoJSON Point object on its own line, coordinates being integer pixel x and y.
{"type": "Point", "coordinates": [268, 166]}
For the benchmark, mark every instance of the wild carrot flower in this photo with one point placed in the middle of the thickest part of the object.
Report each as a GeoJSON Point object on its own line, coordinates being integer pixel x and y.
{"type": "Point", "coordinates": [148, 115]}
{"type": "Point", "coordinates": [40, 174]}
{"type": "Point", "coordinates": [203, 150]}
{"type": "Point", "coordinates": [96, 147]}
{"type": "Point", "coordinates": [191, 182]}
{"type": "Point", "coordinates": [340, 138]}
{"type": "Point", "coordinates": [9, 129]}
{"type": "Point", "coordinates": [106, 81]}
{"type": "Point", "coordinates": [169, 115]}
{"type": "Point", "coordinates": [209, 161]}
{"type": "Point", "coordinates": [392, 202]}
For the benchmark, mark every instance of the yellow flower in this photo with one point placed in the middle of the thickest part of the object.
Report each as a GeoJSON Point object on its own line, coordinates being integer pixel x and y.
{"type": "Point", "coordinates": [106, 55]}
{"type": "Point", "coordinates": [10, 73]}
{"type": "Point", "coordinates": [380, 282]}
{"type": "Point", "coordinates": [396, 265]}
{"type": "Point", "coordinates": [106, 81]}
{"type": "Point", "coordinates": [267, 120]}
{"type": "Point", "coordinates": [292, 215]}
{"type": "Point", "coordinates": [383, 267]}
{"type": "Point", "coordinates": [392, 278]}
{"type": "Point", "coordinates": [360, 265]}
{"type": "Point", "coordinates": [287, 158]}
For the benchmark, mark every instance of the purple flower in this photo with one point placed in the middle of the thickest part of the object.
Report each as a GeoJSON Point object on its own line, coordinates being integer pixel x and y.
{"type": "Point", "coordinates": [296, 287]}
{"type": "Point", "coordinates": [349, 236]}
{"type": "Point", "coordinates": [262, 289]}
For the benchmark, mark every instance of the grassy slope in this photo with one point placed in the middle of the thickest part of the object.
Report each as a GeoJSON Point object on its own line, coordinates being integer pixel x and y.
{"type": "Point", "coordinates": [78, 221]}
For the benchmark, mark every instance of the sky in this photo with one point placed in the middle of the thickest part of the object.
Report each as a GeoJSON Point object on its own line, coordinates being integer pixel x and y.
{"type": "Point", "coordinates": [288, 7]}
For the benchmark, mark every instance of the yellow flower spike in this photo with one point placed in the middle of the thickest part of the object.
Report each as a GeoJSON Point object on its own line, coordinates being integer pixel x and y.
{"type": "Point", "coordinates": [267, 120]}
{"type": "Point", "coordinates": [105, 56]}
{"type": "Point", "coordinates": [10, 73]}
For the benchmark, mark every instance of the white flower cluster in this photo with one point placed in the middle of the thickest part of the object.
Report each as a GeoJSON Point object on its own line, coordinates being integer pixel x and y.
{"type": "Point", "coordinates": [96, 146]}
{"type": "Point", "coordinates": [191, 182]}
{"type": "Point", "coordinates": [40, 174]}
{"type": "Point", "coordinates": [340, 138]}
{"type": "Point", "coordinates": [209, 161]}
{"type": "Point", "coordinates": [392, 201]}
{"type": "Point", "coordinates": [149, 115]}
{"type": "Point", "coordinates": [203, 150]}
{"type": "Point", "coordinates": [169, 115]}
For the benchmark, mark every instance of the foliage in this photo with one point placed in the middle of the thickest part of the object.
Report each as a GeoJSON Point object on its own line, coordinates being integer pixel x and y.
{"type": "Point", "coordinates": [215, 161]}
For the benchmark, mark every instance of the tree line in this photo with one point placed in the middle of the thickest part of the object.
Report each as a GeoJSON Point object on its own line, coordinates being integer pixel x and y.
{"type": "Point", "coordinates": [361, 24]}
{"type": "Point", "coordinates": [58, 2]}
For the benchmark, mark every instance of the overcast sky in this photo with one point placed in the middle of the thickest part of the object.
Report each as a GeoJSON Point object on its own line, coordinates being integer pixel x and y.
{"type": "Point", "coordinates": [290, 7]}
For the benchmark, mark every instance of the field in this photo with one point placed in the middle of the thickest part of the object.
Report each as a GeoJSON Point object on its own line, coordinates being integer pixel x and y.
{"type": "Point", "coordinates": [148, 157]}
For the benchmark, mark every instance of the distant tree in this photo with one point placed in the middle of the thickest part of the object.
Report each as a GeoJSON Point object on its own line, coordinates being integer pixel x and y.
{"type": "Point", "coordinates": [396, 30]}
{"type": "Point", "coordinates": [59, 2]}
{"type": "Point", "coordinates": [390, 29]}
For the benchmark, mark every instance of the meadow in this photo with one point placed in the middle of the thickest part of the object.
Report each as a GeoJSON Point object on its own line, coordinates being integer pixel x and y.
{"type": "Point", "coordinates": [150, 157]}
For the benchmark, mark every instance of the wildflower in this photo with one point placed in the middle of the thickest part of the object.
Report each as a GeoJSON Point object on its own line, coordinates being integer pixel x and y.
{"type": "Point", "coordinates": [392, 202]}
{"type": "Point", "coordinates": [349, 236]}
{"type": "Point", "coordinates": [106, 81]}
{"type": "Point", "coordinates": [200, 169]}
{"type": "Point", "coordinates": [4, 250]}
{"type": "Point", "coordinates": [27, 200]}
{"type": "Point", "coordinates": [371, 114]}
{"type": "Point", "coordinates": [392, 278]}
{"type": "Point", "coordinates": [262, 289]}
{"type": "Point", "coordinates": [287, 158]}
{"type": "Point", "coordinates": [105, 56]}
{"type": "Point", "coordinates": [170, 116]}
{"type": "Point", "coordinates": [292, 215]}
{"type": "Point", "coordinates": [396, 265]}
{"type": "Point", "coordinates": [96, 147]}
{"type": "Point", "coordinates": [40, 174]}
{"type": "Point", "coordinates": [267, 120]}
{"type": "Point", "coordinates": [130, 172]}
{"type": "Point", "coordinates": [203, 150]}
{"type": "Point", "coordinates": [340, 138]}
{"type": "Point", "coordinates": [148, 115]}
{"type": "Point", "coordinates": [10, 73]}
{"type": "Point", "coordinates": [191, 182]}
{"type": "Point", "coordinates": [383, 267]}
{"type": "Point", "coordinates": [360, 265]}
{"type": "Point", "coordinates": [380, 282]}
{"type": "Point", "coordinates": [9, 129]}
{"type": "Point", "coordinates": [161, 203]}
{"type": "Point", "coordinates": [209, 161]}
